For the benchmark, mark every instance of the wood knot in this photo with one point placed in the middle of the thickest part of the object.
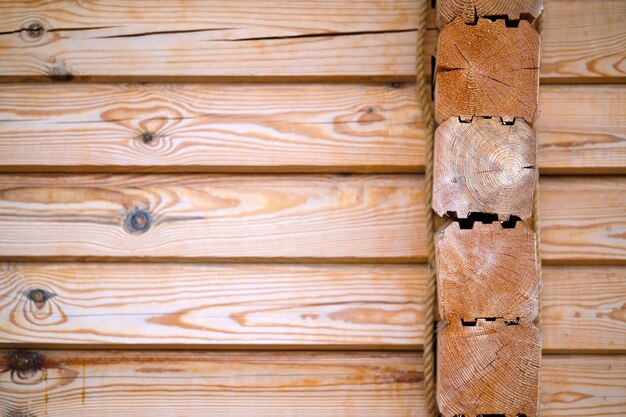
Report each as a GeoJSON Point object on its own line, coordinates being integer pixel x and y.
{"type": "Point", "coordinates": [147, 137]}
{"type": "Point", "coordinates": [138, 221]}
{"type": "Point", "coordinates": [396, 85]}
{"type": "Point", "coordinates": [60, 74]}
{"type": "Point", "coordinates": [23, 363]}
{"type": "Point", "coordinates": [33, 31]}
{"type": "Point", "coordinates": [39, 296]}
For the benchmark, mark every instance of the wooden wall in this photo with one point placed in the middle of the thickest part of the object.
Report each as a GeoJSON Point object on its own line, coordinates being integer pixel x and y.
{"type": "Point", "coordinates": [218, 207]}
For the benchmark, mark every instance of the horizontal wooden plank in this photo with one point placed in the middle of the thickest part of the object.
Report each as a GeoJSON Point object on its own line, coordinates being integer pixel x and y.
{"type": "Point", "coordinates": [231, 305]}
{"type": "Point", "coordinates": [583, 219]}
{"type": "Point", "coordinates": [582, 129]}
{"type": "Point", "coordinates": [583, 309]}
{"type": "Point", "coordinates": [361, 218]}
{"type": "Point", "coordinates": [232, 128]}
{"type": "Point", "coordinates": [583, 41]}
{"type": "Point", "coordinates": [588, 385]}
{"type": "Point", "coordinates": [274, 128]}
{"type": "Point", "coordinates": [199, 40]}
{"type": "Point", "coordinates": [223, 383]}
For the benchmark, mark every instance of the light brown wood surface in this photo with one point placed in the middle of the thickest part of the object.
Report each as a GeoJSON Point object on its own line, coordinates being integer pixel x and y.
{"type": "Point", "coordinates": [486, 272]}
{"type": "Point", "coordinates": [584, 41]}
{"type": "Point", "coordinates": [489, 368]}
{"type": "Point", "coordinates": [582, 129]}
{"type": "Point", "coordinates": [487, 69]}
{"type": "Point", "coordinates": [583, 385]}
{"type": "Point", "coordinates": [583, 220]}
{"type": "Point", "coordinates": [484, 167]}
{"type": "Point", "coordinates": [362, 218]}
{"type": "Point", "coordinates": [150, 40]}
{"type": "Point", "coordinates": [583, 309]}
{"type": "Point", "coordinates": [469, 10]}
{"type": "Point", "coordinates": [295, 128]}
{"type": "Point", "coordinates": [231, 305]}
{"type": "Point", "coordinates": [104, 383]}
{"type": "Point", "coordinates": [235, 128]}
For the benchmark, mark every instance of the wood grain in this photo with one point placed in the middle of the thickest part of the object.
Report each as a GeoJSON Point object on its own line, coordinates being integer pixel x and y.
{"type": "Point", "coordinates": [583, 309]}
{"type": "Point", "coordinates": [232, 305]}
{"type": "Point", "coordinates": [488, 369]}
{"type": "Point", "coordinates": [486, 272]}
{"type": "Point", "coordinates": [148, 40]}
{"type": "Point", "coordinates": [114, 383]}
{"type": "Point", "coordinates": [487, 69]}
{"type": "Point", "coordinates": [582, 129]}
{"type": "Point", "coordinates": [584, 41]}
{"type": "Point", "coordinates": [583, 220]}
{"type": "Point", "coordinates": [362, 218]}
{"type": "Point", "coordinates": [469, 10]}
{"type": "Point", "coordinates": [484, 167]}
{"type": "Point", "coordinates": [234, 128]}
{"type": "Point", "coordinates": [589, 386]}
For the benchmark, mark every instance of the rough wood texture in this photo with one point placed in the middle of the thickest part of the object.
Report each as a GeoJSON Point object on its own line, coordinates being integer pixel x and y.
{"type": "Point", "coordinates": [187, 127]}
{"type": "Point", "coordinates": [484, 166]}
{"type": "Point", "coordinates": [583, 220]}
{"type": "Point", "coordinates": [583, 386]}
{"type": "Point", "coordinates": [583, 309]}
{"type": "Point", "coordinates": [79, 383]}
{"type": "Point", "coordinates": [469, 10]}
{"type": "Point", "coordinates": [487, 70]}
{"type": "Point", "coordinates": [486, 272]}
{"type": "Point", "coordinates": [584, 41]}
{"type": "Point", "coordinates": [582, 129]}
{"type": "Point", "coordinates": [339, 306]}
{"type": "Point", "coordinates": [489, 368]}
{"type": "Point", "coordinates": [201, 217]}
{"type": "Point", "coordinates": [219, 39]}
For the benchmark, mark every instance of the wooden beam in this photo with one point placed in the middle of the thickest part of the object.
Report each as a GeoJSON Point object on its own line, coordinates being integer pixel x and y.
{"type": "Point", "coordinates": [486, 272]}
{"type": "Point", "coordinates": [219, 306]}
{"type": "Point", "coordinates": [582, 129]}
{"type": "Point", "coordinates": [470, 10]}
{"type": "Point", "coordinates": [488, 369]}
{"type": "Point", "coordinates": [487, 70]}
{"type": "Point", "coordinates": [582, 309]}
{"type": "Point", "coordinates": [484, 166]}
{"type": "Point", "coordinates": [193, 40]}
{"type": "Point", "coordinates": [215, 128]}
{"type": "Point", "coordinates": [330, 218]}
{"type": "Point", "coordinates": [113, 383]}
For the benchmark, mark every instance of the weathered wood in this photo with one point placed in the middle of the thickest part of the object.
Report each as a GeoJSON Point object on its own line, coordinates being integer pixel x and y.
{"type": "Point", "coordinates": [583, 386]}
{"type": "Point", "coordinates": [361, 218]}
{"type": "Point", "coordinates": [583, 309]}
{"type": "Point", "coordinates": [487, 70]}
{"type": "Point", "coordinates": [584, 41]}
{"type": "Point", "coordinates": [236, 128]}
{"type": "Point", "coordinates": [177, 305]}
{"type": "Point", "coordinates": [147, 40]}
{"type": "Point", "coordinates": [489, 368]}
{"type": "Point", "coordinates": [582, 129]}
{"type": "Point", "coordinates": [469, 10]}
{"type": "Point", "coordinates": [78, 383]}
{"type": "Point", "coordinates": [486, 272]}
{"type": "Point", "coordinates": [484, 166]}
{"type": "Point", "coordinates": [583, 220]}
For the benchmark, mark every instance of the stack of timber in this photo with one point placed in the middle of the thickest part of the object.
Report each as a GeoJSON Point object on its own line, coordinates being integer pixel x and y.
{"type": "Point", "coordinates": [210, 204]}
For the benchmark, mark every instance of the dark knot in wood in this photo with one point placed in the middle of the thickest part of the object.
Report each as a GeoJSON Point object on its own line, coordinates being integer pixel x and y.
{"type": "Point", "coordinates": [35, 31]}
{"type": "Point", "coordinates": [39, 296]}
{"type": "Point", "coordinates": [147, 137]}
{"type": "Point", "coordinates": [60, 74]}
{"type": "Point", "coordinates": [23, 363]}
{"type": "Point", "coordinates": [138, 221]}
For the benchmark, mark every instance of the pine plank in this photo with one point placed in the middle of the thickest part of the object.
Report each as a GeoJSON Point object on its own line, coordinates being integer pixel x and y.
{"type": "Point", "coordinates": [588, 385]}
{"type": "Point", "coordinates": [230, 305]}
{"type": "Point", "coordinates": [583, 220]}
{"type": "Point", "coordinates": [583, 309]}
{"type": "Point", "coordinates": [582, 129]}
{"type": "Point", "coordinates": [583, 41]}
{"type": "Point", "coordinates": [148, 40]}
{"type": "Point", "coordinates": [223, 128]}
{"type": "Point", "coordinates": [78, 383]}
{"type": "Point", "coordinates": [361, 218]}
